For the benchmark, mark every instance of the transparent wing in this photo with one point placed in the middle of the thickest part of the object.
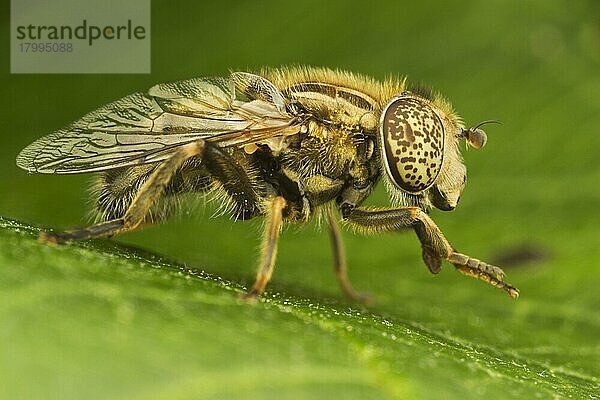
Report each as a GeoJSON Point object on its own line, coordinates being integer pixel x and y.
{"type": "Point", "coordinates": [148, 127]}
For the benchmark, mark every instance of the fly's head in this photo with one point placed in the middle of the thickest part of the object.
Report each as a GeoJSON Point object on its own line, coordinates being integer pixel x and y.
{"type": "Point", "coordinates": [419, 141]}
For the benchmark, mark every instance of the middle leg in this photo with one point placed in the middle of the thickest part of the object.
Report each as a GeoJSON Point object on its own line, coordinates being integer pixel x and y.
{"type": "Point", "coordinates": [269, 247]}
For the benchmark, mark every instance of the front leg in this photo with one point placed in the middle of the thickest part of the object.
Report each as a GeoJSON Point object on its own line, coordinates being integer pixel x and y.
{"type": "Point", "coordinates": [435, 246]}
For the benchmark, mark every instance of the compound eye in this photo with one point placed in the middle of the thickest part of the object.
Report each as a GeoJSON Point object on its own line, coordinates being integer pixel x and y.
{"type": "Point", "coordinates": [412, 137]}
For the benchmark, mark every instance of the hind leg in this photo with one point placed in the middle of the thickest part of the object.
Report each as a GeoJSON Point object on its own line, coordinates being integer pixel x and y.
{"type": "Point", "coordinates": [145, 197]}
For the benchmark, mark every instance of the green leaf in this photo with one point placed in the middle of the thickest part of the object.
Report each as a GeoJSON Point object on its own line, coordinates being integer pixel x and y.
{"type": "Point", "coordinates": [105, 320]}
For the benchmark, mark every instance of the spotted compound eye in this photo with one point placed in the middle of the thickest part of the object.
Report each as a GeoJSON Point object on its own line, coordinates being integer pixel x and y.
{"type": "Point", "coordinates": [412, 137]}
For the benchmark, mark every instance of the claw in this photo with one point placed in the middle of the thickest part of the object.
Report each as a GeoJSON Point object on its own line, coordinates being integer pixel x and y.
{"type": "Point", "coordinates": [365, 299]}
{"type": "Point", "coordinates": [50, 238]}
{"type": "Point", "coordinates": [250, 297]}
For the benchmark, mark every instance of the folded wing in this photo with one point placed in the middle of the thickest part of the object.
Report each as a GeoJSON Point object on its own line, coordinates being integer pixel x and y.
{"type": "Point", "coordinates": [148, 127]}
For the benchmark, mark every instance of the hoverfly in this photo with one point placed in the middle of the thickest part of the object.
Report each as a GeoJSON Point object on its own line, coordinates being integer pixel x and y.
{"type": "Point", "coordinates": [282, 144]}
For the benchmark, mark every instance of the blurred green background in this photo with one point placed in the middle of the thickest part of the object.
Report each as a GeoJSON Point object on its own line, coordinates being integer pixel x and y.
{"type": "Point", "coordinates": [78, 323]}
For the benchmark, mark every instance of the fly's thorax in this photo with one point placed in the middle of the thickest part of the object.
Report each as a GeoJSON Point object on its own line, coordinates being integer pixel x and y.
{"type": "Point", "coordinates": [322, 150]}
{"type": "Point", "coordinates": [419, 152]}
{"type": "Point", "coordinates": [335, 104]}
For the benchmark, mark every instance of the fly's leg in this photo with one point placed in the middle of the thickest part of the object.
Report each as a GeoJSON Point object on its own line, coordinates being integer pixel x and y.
{"type": "Point", "coordinates": [102, 229]}
{"type": "Point", "coordinates": [339, 260]}
{"type": "Point", "coordinates": [481, 270]}
{"type": "Point", "coordinates": [434, 244]}
{"type": "Point", "coordinates": [237, 180]}
{"type": "Point", "coordinates": [146, 196]}
{"type": "Point", "coordinates": [274, 221]}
